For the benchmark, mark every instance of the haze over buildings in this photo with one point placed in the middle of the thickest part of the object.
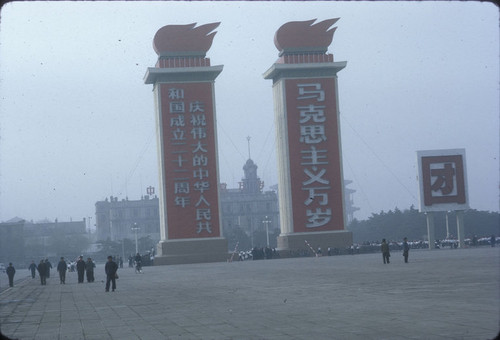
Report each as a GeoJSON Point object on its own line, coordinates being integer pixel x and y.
{"type": "Point", "coordinates": [77, 122]}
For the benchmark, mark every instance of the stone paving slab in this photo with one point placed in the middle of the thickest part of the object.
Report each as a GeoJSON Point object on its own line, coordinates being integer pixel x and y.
{"type": "Point", "coordinates": [440, 294]}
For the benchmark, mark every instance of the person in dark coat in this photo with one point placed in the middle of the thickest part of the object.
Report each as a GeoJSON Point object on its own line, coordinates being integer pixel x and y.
{"type": "Point", "coordinates": [42, 272]}
{"type": "Point", "coordinates": [89, 270]}
{"type": "Point", "coordinates": [32, 267]}
{"type": "Point", "coordinates": [406, 249]}
{"type": "Point", "coordinates": [385, 251]}
{"type": "Point", "coordinates": [138, 262]}
{"type": "Point", "coordinates": [48, 266]}
{"type": "Point", "coordinates": [80, 269]}
{"type": "Point", "coordinates": [110, 268]}
{"type": "Point", "coordinates": [62, 267]}
{"type": "Point", "coordinates": [10, 273]}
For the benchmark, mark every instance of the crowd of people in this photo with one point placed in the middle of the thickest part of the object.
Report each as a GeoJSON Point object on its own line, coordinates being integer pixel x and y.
{"type": "Point", "coordinates": [452, 243]}
{"type": "Point", "coordinates": [258, 253]}
{"type": "Point", "coordinates": [86, 268]}
{"type": "Point", "coordinates": [83, 268]}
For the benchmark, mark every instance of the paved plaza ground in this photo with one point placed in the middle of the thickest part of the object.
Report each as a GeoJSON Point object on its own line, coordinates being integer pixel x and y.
{"type": "Point", "coordinates": [440, 294]}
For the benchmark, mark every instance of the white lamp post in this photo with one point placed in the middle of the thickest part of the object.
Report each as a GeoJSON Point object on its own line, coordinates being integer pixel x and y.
{"type": "Point", "coordinates": [266, 222]}
{"type": "Point", "coordinates": [136, 229]}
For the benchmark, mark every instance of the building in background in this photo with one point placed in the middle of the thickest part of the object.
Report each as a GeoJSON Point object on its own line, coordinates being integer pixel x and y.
{"type": "Point", "coordinates": [122, 219]}
{"type": "Point", "coordinates": [12, 241]}
{"type": "Point", "coordinates": [22, 241]}
{"type": "Point", "coordinates": [350, 209]}
{"type": "Point", "coordinates": [249, 208]}
{"type": "Point", "coordinates": [254, 211]}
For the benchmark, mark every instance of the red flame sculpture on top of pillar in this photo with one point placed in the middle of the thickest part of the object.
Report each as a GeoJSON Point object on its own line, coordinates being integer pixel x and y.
{"type": "Point", "coordinates": [187, 141]}
{"type": "Point", "coordinates": [309, 148]}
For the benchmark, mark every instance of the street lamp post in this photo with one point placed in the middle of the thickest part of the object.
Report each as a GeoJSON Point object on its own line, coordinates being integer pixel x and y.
{"type": "Point", "coordinates": [266, 222]}
{"type": "Point", "coordinates": [136, 229]}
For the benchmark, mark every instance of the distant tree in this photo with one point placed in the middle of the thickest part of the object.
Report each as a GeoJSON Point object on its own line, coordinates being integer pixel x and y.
{"type": "Point", "coordinates": [69, 246]}
{"type": "Point", "coordinates": [237, 235]}
{"type": "Point", "coordinates": [394, 225]}
{"type": "Point", "coordinates": [145, 244]}
{"type": "Point", "coordinates": [108, 247]}
{"type": "Point", "coordinates": [34, 249]}
{"type": "Point", "coordinates": [481, 223]}
{"type": "Point", "coordinates": [128, 247]}
{"type": "Point", "coordinates": [260, 238]}
{"type": "Point", "coordinates": [13, 250]}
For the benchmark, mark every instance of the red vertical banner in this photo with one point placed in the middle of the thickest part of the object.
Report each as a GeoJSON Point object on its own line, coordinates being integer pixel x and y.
{"type": "Point", "coordinates": [190, 165]}
{"type": "Point", "coordinates": [314, 154]}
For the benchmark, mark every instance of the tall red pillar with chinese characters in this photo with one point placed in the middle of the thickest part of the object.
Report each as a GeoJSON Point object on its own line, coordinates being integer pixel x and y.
{"type": "Point", "coordinates": [308, 138]}
{"type": "Point", "coordinates": [187, 145]}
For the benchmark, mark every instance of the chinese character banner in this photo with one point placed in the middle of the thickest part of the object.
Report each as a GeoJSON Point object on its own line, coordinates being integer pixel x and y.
{"type": "Point", "coordinates": [190, 165]}
{"type": "Point", "coordinates": [443, 180]}
{"type": "Point", "coordinates": [314, 151]}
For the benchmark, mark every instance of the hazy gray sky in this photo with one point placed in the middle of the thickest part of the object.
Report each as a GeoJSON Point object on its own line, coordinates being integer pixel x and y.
{"type": "Point", "coordinates": [77, 121]}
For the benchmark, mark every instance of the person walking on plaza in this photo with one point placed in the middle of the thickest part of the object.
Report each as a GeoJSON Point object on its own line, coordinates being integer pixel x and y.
{"type": "Point", "coordinates": [42, 272]}
{"type": "Point", "coordinates": [62, 267]}
{"type": "Point", "coordinates": [80, 269]}
{"type": "Point", "coordinates": [385, 251]}
{"type": "Point", "coordinates": [10, 273]}
{"type": "Point", "coordinates": [406, 249]}
{"type": "Point", "coordinates": [32, 267]}
{"type": "Point", "coordinates": [111, 268]}
{"type": "Point", "coordinates": [48, 266]}
{"type": "Point", "coordinates": [89, 270]}
{"type": "Point", "coordinates": [138, 263]}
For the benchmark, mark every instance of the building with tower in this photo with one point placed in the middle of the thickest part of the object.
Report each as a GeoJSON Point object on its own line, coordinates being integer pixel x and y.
{"type": "Point", "coordinates": [250, 209]}
{"type": "Point", "coordinates": [350, 208]}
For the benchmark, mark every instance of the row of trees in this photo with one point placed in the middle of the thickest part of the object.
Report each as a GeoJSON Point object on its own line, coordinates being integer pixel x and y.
{"type": "Point", "coordinates": [392, 225]}
{"type": "Point", "coordinates": [22, 249]}
{"type": "Point", "coordinates": [57, 244]}
{"type": "Point", "coordinates": [397, 224]}
{"type": "Point", "coordinates": [124, 248]}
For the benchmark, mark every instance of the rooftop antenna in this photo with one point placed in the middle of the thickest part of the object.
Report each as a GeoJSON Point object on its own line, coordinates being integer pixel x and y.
{"type": "Point", "coordinates": [248, 139]}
